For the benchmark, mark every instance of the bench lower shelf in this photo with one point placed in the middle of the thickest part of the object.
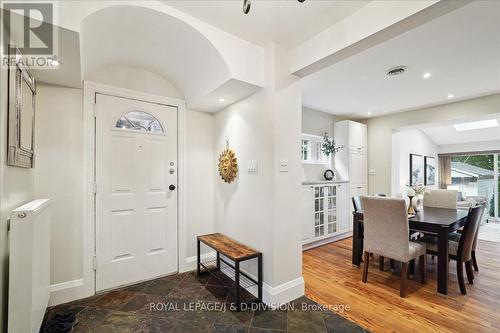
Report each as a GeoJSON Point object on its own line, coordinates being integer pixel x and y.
{"type": "Point", "coordinates": [230, 267]}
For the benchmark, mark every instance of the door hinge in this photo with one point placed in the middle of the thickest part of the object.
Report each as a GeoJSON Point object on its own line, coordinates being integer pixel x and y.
{"type": "Point", "coordinates": [8, 224]}
{"type": "Point", "coordinates": [94, 188]}
{"type": "Point", "coordinates": [94, 262]}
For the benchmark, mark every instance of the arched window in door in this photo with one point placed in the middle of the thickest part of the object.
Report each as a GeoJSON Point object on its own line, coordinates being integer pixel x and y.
{"type": "Point", "coordinates": [139, 121]}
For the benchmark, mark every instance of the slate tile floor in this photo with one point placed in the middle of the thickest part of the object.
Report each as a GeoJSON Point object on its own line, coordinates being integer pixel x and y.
{"type": "Point", "coordinates": [129, 310]}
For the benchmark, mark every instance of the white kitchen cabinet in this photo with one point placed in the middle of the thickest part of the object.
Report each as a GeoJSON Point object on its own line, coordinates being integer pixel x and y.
{"type": "Point", "coordinates": [351, 163]}
{"type": "Point", "coordinates": [358, 167]}
{"type": "Point", "coordinates": [359, 189]}
{"type": "Point", "coordinates": [307, 208]}
{"type": "Point", "coordinates": [357, 136]}
{"type": "Point", "coordinates": [344, 202]}
{"type": "Point", "coordinates": [325, 211]}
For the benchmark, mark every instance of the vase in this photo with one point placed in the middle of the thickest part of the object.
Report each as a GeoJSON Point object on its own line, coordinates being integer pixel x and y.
{"type": "Point", "coordinates": [411, 211]}
{"type": "Point", "coordinates": [418, 202]}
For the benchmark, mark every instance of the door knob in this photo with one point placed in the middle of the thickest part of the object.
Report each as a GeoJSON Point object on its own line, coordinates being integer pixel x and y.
{"type": "Point", "coordinates": [171, 187]}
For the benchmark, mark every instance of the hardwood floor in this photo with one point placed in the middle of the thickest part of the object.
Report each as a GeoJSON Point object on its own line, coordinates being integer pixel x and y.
{"type": "Point", "coordinates": [376, 306]}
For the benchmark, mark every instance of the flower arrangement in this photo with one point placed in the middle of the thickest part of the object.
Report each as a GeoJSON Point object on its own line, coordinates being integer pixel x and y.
{"type": "Point", "coordinates": [417, 190]}
{"type": "Point", "coordinates": [329, 147]}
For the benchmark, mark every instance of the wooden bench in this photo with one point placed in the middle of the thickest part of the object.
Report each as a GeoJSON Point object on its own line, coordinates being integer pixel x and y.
{"type": "Point", "coordinates": [227, 248]}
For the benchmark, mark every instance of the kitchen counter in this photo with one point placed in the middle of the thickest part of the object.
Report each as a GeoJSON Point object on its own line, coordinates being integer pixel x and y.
{"type": "Point", "coordinates": [326, 182]}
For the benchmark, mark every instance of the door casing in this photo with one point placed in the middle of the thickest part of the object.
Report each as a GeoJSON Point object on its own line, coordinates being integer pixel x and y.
{"type": "Point", "coordinates": [90, 89]}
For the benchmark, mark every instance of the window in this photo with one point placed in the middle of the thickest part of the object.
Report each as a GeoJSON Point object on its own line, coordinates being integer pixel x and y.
{"type": "Point", "coordinates": [474, 176]}
{"type": "Point", "coordinates": [139, 121]}
{"type": "Point", "coordinates": [306, 150]}
{"type": "Point", "coordinates": [311, 150]}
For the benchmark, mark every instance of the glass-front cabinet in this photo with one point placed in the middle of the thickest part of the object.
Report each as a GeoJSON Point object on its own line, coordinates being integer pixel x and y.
{"type": "Point", "coordinates": [325, 213]}
{"type": "Point", "coordinates": [325, 210]}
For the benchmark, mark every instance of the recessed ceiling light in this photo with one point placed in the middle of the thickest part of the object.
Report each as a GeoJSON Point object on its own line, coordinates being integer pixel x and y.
{"type": "Point", "coordinates": [476, 125]}
{"type": "Point", "coordinates": [222, 100]}
{"type": "Point", "coordinates": [451, 96]}
{"type": "Point", "coordinates": [369, 113]}
{"type": "Point", "coordinates": [427, 75]}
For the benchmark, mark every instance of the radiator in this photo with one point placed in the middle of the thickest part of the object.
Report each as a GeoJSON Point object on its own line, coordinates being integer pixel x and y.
{"type": "Point", "coordinates": [29, 266]}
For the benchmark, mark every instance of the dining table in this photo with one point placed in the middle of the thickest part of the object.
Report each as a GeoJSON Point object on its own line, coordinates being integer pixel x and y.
{"type": "Point", "coordinates": [429, 220]}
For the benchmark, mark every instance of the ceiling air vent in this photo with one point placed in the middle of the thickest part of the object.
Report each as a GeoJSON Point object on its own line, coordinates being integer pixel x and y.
{"type": "Point", "coordinates": [396, 70]}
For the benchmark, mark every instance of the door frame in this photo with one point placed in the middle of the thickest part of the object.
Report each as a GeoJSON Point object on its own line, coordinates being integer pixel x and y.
{"type": "Point", "coordinates": [90, 89]}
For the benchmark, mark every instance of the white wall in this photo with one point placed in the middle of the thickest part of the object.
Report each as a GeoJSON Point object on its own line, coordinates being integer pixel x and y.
{"type": "Point", "coordinates": [199, 172]}
{"type": "Point", "coordinates": [262, 209]}
{"type": "Point", "coordinates": [16, 189]}
{"type": "Point", "coordinates": [59, 175]}
{"type": "Point", "coordinates": [380, 131]}
{"type": "Point", "coordinates": [135, 79]}
{"type": "Point", "coordinates": [316, 122]}
{"type": "Point", "coordinates": [405, 143]}
{"type": "Point", "coordinates": [470, 147]}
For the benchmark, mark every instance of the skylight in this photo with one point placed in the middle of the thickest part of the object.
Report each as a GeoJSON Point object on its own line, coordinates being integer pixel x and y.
{"type": "Point", "coordinates": [476, 125]}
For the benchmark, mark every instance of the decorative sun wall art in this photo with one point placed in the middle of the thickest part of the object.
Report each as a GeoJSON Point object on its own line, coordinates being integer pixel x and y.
{"type": "Point", "coordinates": [228, 165]}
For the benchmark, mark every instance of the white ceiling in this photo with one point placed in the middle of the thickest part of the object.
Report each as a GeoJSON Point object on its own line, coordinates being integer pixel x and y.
{"type": "Point", "coordinates": [461, 49]}
{"type": "Point", "coordinates": [288, 22]}
{"type": "Point", "coordinates": [447, 134]}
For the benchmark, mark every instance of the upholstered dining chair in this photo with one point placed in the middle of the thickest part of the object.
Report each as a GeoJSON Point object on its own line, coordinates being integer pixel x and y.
{"type": "Point", "coordinates": [441, 199]}
{"type": "Point", "coordinates": [356, 202]}
{"type": "Point", "coordinates": [460, 250]}
{"type": "Point", "coordinates": [386, 234]}
{"type": "Point", "coordinates": [455, 237]}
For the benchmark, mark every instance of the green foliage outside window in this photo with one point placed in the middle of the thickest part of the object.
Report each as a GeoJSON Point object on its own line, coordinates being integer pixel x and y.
{"type": "Point", "coordinates": [481, 161]}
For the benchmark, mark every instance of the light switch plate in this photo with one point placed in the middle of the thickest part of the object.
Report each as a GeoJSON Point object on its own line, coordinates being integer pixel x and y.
{"type": "Point", "coordinates": [283, 165]}
{"type": "Point", "coordinates": [371, 172]}
{"type": "Point", "coordinates": [253, 166]}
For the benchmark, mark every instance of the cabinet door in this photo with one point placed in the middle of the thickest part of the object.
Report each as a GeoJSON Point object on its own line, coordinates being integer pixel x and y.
{"type": "Point", "coordinates": [319, 211]}
{"type": "Point", "coordinates": [358, 168]}
{"type": "Point", "coordinates": [343, 212]}
{"type": "Point", "coordinates": [356, 190]}
{"type": "Point", "coordinates": [357, 136]}
{"type": "Point", "coordinates": [307, 213]}
{"type": "Point", "coordinates": [331, 197]}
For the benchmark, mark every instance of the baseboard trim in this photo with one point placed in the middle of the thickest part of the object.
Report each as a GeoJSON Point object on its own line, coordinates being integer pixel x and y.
{"type": "Point", "coordinates": [66, 292]}
{"type": "Point", "coordinates": [190, 263]}
{"type": "Point", "coordinates": [271, 296]}
{"type": "Point", "coordinates": [283, 293]}
{"type": "Point", "coordinates": [325, 241]}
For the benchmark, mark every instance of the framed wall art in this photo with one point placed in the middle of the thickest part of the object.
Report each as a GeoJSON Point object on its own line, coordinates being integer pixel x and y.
{"type": "Point", "coordinates": [430, 170]}
{"type": "Point", "coordinates": [417, 173]}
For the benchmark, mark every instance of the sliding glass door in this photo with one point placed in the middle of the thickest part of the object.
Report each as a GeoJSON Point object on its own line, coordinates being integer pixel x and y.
{"type": "Point", "coordinates": [497, 181]}
{"type": "Point", "coordinates": [477, 177]}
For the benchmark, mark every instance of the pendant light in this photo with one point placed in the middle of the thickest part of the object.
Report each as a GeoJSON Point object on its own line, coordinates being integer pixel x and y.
{"type": "Point", "coordinates": [247, 4]}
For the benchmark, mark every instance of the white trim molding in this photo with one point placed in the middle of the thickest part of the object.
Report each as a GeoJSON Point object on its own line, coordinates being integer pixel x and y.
{"type": "Point", "coordinates": [190, 263]}
{"type": "Point", "coordinates": [284, 293]}
{"type": "Point", "coordinates": [271, 296]}
{"type": "Point", "coordinates": [66, 292]}
{"type": "Point", "coordinates": [281, 294]}
{"type": "Point", "coordinates": [90, 89]}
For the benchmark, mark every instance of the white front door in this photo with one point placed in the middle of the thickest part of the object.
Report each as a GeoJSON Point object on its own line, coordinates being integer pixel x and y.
{"type": "Point", "coordinates": [136, 195]}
